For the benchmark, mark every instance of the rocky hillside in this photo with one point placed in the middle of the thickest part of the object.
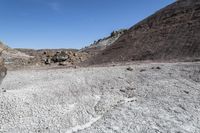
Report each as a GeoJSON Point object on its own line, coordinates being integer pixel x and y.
{"type": "Point", "coordinates": [101, 44]}
{"type": "Point", "coordinates": [6, 50]}
{"type": "Point", "coordinates": [13, 57]}
{"type": "Point", "coordinates": [172, 33]}
{"type": "Point", "coordinates": [61, 57]}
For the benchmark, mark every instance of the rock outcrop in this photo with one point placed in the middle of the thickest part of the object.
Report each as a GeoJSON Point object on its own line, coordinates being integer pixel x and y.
{"type": "Point", "coordinates": [172, 33]}
{"type": "Point", "coordinates": [102, 44]}
{"type": "Point", "coordinates": [3, 72]}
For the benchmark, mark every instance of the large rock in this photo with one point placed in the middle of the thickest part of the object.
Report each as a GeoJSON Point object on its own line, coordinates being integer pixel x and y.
{"type": "Point", "coordinates": [60, 57]}
{"type": "Point", "coordinates": [173, 33]}
{"type": "Point", "coordinates": [3, 69]}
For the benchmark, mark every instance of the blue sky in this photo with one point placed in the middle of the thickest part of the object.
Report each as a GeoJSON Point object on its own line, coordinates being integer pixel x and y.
{"type": "Point", "coordinates": [68, 23]}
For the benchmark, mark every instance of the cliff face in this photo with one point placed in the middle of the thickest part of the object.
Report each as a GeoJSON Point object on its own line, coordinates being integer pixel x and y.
{"type": "Point", "coordinates": [171, 33]}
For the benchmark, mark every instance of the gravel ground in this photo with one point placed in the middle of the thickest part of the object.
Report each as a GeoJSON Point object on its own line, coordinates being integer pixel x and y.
{"type": "Point", "coordinates": [152, 98]}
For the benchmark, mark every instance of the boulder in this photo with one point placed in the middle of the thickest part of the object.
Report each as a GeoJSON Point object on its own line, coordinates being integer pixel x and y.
{"type": "Point", "coordinates": [3, 69]}
{"type": "Point", "coordinates": [59, 57]}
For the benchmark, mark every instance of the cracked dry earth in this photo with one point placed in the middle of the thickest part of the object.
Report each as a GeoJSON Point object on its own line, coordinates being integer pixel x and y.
{"type": "Point", "coordinates": [152, 98]}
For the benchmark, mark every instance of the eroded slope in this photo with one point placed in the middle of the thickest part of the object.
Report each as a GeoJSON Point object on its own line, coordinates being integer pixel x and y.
{"type": "Point", "coordinates": [170, 34]}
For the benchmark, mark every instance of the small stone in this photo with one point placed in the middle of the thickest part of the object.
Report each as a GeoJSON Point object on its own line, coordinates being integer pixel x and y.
{"type": "Point", "coordinates": [187, 92]}
{"type": "Point", "coordinates": [142, 70]}
{"type": "Point", "coordinates": [129, 69]}
{"type": "Point", "coordinates": [122, 90]}
{"type": "Point", "coordinates": [129, 88]}
{"type": "Point", "coordinates": [158, 68]}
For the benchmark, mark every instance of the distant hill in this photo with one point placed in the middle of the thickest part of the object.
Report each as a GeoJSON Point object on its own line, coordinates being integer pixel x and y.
{"type": "Point", "coordinates": [36, 52]}
{"type": "Point", "coordinates": [172, 33]}
{"type": "Point", "coordinates": [101, 44]}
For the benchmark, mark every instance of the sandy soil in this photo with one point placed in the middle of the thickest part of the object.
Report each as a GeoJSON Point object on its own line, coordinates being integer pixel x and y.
{"type": "Point", "coordinates": [157, 97]}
